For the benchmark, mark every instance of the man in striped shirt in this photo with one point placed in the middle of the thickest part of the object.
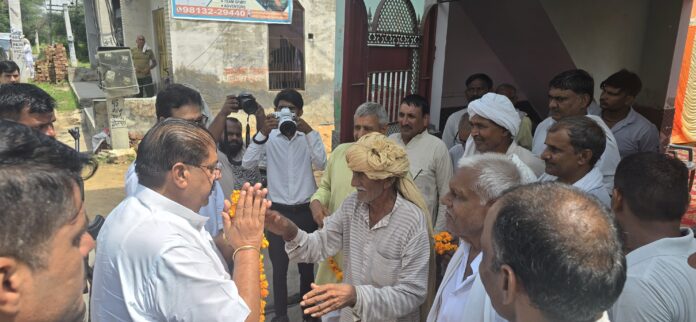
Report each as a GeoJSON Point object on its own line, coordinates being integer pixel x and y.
{"type": "Point", "coordinates": [384, 233]}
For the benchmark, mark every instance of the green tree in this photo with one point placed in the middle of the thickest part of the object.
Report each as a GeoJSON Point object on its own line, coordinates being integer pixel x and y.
{"type": "Point", "coordinates": [36, 17]}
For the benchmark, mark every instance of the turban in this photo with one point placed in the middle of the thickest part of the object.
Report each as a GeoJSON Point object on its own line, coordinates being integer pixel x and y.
{"type": "Point", "coordinates": [378, 158]}
{"type": "Point", "coordinates": [498, 109]}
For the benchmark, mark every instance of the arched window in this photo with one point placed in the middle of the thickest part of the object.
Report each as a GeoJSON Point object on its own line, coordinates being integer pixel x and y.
{"type": "Point", "coordinates": [286, 55]}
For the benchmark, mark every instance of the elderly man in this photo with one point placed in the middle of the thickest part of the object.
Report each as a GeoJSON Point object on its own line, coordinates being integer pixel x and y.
{"type": "Point", "coordinates": [476, 86]}
{"type": "Point", "coordinates": [573, 147]}
{"type": "Point", "coordinates": [494, 125]}
{"type": "Point", "coordinates": [29, 105]}
{"type": "Point", "coordinates": [156, 238]}
{"type": "Point", "coordinates": [633, 132]}
{"type": "Point", "coordinates": [479, 180]}
{"type": "Point", "coordinates": [44, 239]}
{"type": "Point", "coordinates": [144, 61]}
{"type": "Point", "coordinates": [335, 185]}
{"type": "Point", "coordinates": [651, 194]}
{"type": "Point", "coordinates": [383, 231]}
{"type": "Point", "coordinates": [570, 94]}
{"type": "Point", "coordinates": [535, 271]}
{"type": "Point", "coordinates": [431, 167]}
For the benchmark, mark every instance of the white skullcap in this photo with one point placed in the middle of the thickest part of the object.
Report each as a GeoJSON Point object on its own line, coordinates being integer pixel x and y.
{"type": "Point", "coordinates": [498, 109]}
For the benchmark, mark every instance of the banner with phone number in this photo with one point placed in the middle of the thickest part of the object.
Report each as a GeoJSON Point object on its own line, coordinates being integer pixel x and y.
{"type": "Point", "coordinates": [256, 11]}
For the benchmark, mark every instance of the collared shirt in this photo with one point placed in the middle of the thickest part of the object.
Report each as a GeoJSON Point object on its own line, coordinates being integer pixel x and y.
{"type": "Point", "coordinates": [475, 305]}
{"type": "Point", "coordinates": [141, 61]}
{"type": "Point", "coordinates": [660, 284]}
{"type": "Point", "coordinates": [289, 168]}
{"type": "Point", "coordinates": [431, 170]}
{"type": "Point", "coordinates": [234, 175]}
{"type": "Point", "coordinates": [449, 134]}
{"type": "Point", "coordinates": [386, 263]}
{"type": "Point", "coordinates": [456, 289]}
{"type": "Point", "coordinates": [607, 162]}
{"type": "Point", "coordinates": [635, 134]}
{"type": "Point", "coordinates": [213, 209]}
{"type": "Point", "coordinates": [335, 184]}
{"type": "Point", "coordinates": [533, 166]}
{"type": "Point", "coordinates": [456, 153]}
{"type": "Point", "coordinates": [155, 262]}
{"type": "Point", "coordinates": [590, 183]}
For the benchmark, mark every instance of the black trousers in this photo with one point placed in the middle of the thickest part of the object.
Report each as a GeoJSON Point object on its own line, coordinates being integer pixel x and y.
{"type": "Point", "coordinates": [301, 215]}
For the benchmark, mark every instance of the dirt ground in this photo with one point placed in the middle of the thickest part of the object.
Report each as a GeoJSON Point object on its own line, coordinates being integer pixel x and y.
{"type": "Point", "coordinates": [105, 190]}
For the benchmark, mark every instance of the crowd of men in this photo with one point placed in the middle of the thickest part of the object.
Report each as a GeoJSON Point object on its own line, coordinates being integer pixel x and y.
{"type": "Point", "coordinates": [578, 222]}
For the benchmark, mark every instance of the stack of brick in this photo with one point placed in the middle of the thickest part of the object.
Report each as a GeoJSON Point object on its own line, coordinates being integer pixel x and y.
{"type": "Point", "coordinates": [54, 67]}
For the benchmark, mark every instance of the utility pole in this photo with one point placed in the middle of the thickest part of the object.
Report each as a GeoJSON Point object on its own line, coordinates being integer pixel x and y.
{"type": "Point", "coordinates": [50, 22]}
{"type": "Point", "coordinates": [71, 39]}
{"type": "Point", "coordinates": [17, 34]}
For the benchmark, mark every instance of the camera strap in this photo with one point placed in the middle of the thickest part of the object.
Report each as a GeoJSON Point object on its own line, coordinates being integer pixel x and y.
{"type": "Point", "coordinates": [248, 132]}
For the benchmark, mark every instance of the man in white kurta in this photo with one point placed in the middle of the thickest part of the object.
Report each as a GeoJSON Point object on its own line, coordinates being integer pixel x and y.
{"type": "Point", "coordinates": [431, 166]}
{"type": "Point", "coordinates": [495, 115]}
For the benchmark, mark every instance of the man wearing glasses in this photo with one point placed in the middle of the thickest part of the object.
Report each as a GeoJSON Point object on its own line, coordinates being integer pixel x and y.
{"type": "Point", "coordinates": [181, 102]}
{"type": "Point", "coordinates": [155, 261]}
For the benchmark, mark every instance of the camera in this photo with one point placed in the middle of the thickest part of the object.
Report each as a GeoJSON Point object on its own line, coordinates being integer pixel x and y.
{"type": "Point", "coordinates": [286, 121]}
{"type": "Point", "coordinates": [248, 103]}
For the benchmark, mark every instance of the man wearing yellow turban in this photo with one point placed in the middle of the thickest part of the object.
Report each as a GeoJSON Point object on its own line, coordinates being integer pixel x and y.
{"type": "Point", "coordinates": [384, 232]}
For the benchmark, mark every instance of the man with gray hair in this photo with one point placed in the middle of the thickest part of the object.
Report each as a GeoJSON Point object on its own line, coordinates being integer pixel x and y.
{"type": "Point", "coordinates": [533, 269]}
{"type": "Point", "coordinates": [156, 262]}
{"type": "Point", "coordinates": [335, 185]}
{"type": "Point", "coordinates": [573, 147]}
{"type": "Point", "coordinates": [479, 180]}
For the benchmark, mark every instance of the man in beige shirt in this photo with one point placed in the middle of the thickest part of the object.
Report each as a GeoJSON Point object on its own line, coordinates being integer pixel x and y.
{"type": "Point", "coordinates": [144, 61]}
{"type": "Point", "coordinates": [430, 163]}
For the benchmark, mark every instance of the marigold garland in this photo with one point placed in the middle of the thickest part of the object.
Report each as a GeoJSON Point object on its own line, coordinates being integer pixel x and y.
{"type": "Point", "coordinates": [263, 282]}
{"type": "Point", "coordinates": [338, 273]}
{"type": "Point", "coordinates": [443, 243]}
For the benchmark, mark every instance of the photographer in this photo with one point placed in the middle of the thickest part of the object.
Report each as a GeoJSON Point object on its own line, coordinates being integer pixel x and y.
{"type": "Point", "coordinates": [291, 148]}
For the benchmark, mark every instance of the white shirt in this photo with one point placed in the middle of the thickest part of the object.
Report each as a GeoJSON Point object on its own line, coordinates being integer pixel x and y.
{"type": "Point", "coordinates": [449, 134]}
{"type": "Point", "coordinates": [456, 290]}
{"type": "Point", "coordinates": [212, 210]}
{"type": "Point", "coordinates": [469, 302]}
{"type": "Point", "coordinates": [660, 284]}
{"type": "Point", "coordinates": [431, 170]}
{"type": "Point", "coordinates": [635, 134]}
{"type": "Point", "coordinates": [591, 183]}
{"type": "Point", "coordinates": [607, 162]}
{"type": "Point", "coordinates": [155, 262]}
{"type": "Point", "coordinates": [289, 168]}
{"type": "Point", "coordinates": [456, 153]}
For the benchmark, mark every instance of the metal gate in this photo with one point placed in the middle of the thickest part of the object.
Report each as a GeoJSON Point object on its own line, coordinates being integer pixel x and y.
{"type": "Point", "coordinates": [383, 57]}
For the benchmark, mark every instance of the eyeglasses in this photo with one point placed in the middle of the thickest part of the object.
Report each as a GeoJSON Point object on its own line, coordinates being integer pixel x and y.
{"type": "Point", "coordinates": [201, 121]}
{"type": "Point", "coordinates": [215, 170]}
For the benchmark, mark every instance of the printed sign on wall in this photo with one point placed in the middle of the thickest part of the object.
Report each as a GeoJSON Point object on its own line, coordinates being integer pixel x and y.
{"type": "Point", "coordinates": [257, 11]}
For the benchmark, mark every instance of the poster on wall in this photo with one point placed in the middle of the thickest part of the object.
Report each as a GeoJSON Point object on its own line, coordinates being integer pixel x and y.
{"type": "Point", "coordinates": [256, 11]}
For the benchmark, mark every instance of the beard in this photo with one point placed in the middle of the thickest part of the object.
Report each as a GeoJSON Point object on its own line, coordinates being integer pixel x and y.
{"type": "Point", "coordinates": [231, 149]}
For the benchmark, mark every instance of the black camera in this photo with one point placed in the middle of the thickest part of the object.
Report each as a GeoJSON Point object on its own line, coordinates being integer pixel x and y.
{"type": "Point", "coordinates": [248, 103]}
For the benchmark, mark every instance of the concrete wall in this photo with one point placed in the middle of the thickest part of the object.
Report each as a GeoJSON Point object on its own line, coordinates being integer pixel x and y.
{"type": "Point", "coordinates": [221, 58]}
{"type": "Point", "coordinates": [600, 36]}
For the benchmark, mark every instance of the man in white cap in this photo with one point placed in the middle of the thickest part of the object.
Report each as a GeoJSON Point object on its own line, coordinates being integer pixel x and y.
{"type": "Point", "coordinates": [494, 125]}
